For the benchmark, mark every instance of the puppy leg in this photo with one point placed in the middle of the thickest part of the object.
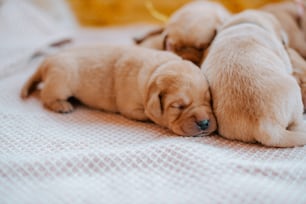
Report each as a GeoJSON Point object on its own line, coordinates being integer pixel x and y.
{"type": "Point", "coordinates": [298, 125]}
{"type": "Point", "coordinates": [136, 114]}
{"type": "Point", "coordinates": [277, 136]}
{"type": "Point", "coordinates": [295, 135]}
{"type": "Point", "coordinates": [55, 95]}
{"type": "Point", "coordinates": [289, 130]}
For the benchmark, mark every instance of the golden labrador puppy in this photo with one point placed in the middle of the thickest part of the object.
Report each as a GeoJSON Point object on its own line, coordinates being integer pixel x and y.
{"type": "Point", "coordinates": [189, 31]}
{"type": "Point", "coordinates": [293, 19]}
{"type": "Point", "coordinates": [255, 97]}
{"type": "Point", "coordinates": [139, 83]}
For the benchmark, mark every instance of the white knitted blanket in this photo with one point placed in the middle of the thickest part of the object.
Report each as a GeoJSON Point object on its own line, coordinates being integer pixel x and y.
{"type": "Point", "coordinates": [90, 156]}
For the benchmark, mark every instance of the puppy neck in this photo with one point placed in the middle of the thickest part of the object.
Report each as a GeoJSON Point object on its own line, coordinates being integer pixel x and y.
{"type": "Point", "coordinates": [249, 23]}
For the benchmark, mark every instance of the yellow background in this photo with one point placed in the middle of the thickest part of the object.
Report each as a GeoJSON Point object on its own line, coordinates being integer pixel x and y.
{"type": "Point", "coordinates": [110, 12]}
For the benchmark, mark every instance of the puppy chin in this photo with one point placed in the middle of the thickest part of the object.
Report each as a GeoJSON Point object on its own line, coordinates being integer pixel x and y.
{"type": "Point", "coordinates": [191, 128]}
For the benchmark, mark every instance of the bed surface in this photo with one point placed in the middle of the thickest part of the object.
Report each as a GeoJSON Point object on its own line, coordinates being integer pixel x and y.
{"type": "Point", "coordinates": [90, 156]}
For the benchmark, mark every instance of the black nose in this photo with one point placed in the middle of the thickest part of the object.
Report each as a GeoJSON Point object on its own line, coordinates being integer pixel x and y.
{"type": "Point", "coordinates": [203, 124]}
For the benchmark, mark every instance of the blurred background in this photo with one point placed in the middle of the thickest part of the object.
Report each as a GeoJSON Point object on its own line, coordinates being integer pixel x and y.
{"type": "Point", "coordinates": [32, 27]}
{"type": "Point", "coordinates": [114, 12]}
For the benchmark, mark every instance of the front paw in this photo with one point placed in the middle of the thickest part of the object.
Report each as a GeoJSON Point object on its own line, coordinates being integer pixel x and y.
{"type": "Point", "coordinates": [60, 106]}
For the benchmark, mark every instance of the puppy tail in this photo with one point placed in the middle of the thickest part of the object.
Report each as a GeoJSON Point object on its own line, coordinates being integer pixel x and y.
{"type": "Point", "coordinates": [292, 137]}
{"type": "Point", "coordinates": [32, 83]}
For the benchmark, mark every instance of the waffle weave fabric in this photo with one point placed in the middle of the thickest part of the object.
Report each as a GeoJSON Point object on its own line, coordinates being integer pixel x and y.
{"type": "Point", "coordinates": [94, 157]}
{"type": "Point", "coordinates": [90, 156]}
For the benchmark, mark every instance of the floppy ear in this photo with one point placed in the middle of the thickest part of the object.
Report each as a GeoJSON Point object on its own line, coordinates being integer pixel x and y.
{"type": "Point", "coordinates": [153, 101]}
{"type": "Point", "coordinates": [213, 37]}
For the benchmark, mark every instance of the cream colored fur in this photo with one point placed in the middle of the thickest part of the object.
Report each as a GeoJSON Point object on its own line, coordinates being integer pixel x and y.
{"type": "Point", "coordinates": [189, 31]}
{"type": "Point", "coordinates": [292, 21]}
{"type": "Point", "coordinates": [299, 71]}
{"type": "Point", "coordinates": [255, 97]}
{"type": "Point", "coordinates": [139, 83]}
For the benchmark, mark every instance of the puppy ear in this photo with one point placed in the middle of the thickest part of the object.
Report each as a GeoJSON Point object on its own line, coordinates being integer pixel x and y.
{"type": "Point", "coordinates": [150, 34]}
{"type": "Point", "coordinates": [213, 37]}
{"type": "Point", "coordinates": [154, 102]}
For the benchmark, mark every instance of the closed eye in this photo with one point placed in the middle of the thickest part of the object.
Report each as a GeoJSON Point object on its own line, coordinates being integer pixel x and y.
{"type": "Point", "coordinates": [161, 97]}
{"type": "Point", "coordinates": [178, 106]}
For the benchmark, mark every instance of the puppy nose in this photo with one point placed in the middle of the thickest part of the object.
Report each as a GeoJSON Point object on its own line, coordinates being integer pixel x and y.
{"type": "Point", "coordinates": [203, 124]}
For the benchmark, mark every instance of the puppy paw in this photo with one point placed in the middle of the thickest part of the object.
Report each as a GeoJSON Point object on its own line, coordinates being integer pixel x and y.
{"type": "Point", "coordinates": [60, 106]}
{"type": "Point", "coordinates": [24, 94]}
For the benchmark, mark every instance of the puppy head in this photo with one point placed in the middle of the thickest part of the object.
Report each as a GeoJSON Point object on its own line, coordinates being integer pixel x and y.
{"type": "Point", "coordinates": [191, 29]}
{"type": "Point", "coordinates": [178, 97]}
{"type": "Point", "coordinates": [190, 51]}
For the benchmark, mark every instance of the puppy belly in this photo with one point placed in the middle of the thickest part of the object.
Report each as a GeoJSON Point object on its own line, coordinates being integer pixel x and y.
{"type": "Point", "coordinates": [128, 109]}
{"type": "Point", "coordinates": [101, 103]}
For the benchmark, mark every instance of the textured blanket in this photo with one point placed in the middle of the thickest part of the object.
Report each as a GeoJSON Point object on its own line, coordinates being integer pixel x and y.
{"type": "Point", "coordinates": [90, 156]}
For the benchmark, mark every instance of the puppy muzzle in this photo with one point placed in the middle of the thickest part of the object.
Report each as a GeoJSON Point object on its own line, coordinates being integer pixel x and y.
{"type": "Point", "coordinates": [203, 124]}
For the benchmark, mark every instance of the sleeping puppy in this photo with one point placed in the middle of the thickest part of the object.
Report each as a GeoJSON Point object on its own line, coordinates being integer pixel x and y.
{"type": "Point", "coordinates": [139, 83]}
{"type": "Point", "coordinates": [299, 71]}
{"type": "Point", "coordinates": [189, 31]}
{"type": "Point", "coordinates": [255, 97]}
{"type": "Point", "coordinates": [293, 19]}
